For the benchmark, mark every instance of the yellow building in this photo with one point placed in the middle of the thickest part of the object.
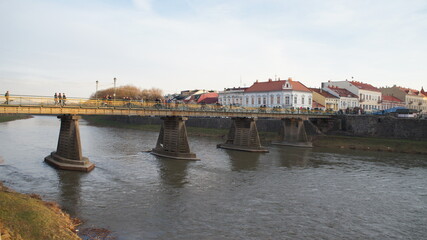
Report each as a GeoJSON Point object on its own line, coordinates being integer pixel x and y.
{"type": "Point", "coordinates": [324, 98]}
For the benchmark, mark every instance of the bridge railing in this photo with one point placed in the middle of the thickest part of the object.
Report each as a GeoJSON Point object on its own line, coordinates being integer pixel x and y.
{"type": "Point", "coordinates": [137, 104]}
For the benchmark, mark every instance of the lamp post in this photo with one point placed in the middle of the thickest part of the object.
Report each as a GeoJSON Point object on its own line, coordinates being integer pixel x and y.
{"type": "Point", "coordinates": [96, 93]}
{"type": "Point", "coordinates": [114, 95]}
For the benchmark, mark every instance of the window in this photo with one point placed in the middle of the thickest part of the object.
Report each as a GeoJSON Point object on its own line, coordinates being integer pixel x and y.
{"type": "Point", "coordinates": [278, 99]}
{"type": "Point", "coordinates": [264, 100]}
{"type": "Point", "coordinates": [302, 99]}
{"type": "Point", "coordinates": [271, 99]}
{"type": "Point", "coordinates": [259, 100]}
{"type": "Point", "coordinates": [309, 101]}
{"type": "Point", "coordinates": [287, 100]}
{"type": "Point", "coordinates": [253, 100]}
{"type": "Point", "coordinates": [247, 100]}
{"type": "Point", "coordinates": [295, 100]}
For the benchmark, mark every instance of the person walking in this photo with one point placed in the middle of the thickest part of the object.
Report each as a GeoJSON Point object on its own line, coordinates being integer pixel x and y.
{"type": "Point", "coordinates": [6, 95]}
{"type": "Point", "coordinates": [60, 99]}
{"type": "Point", "coordinates": [55, 97]}
{"type": "Point", "coordinates": [63, 99]}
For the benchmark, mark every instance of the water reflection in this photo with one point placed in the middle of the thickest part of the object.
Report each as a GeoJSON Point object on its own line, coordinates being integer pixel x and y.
{"type": "Point", "coordinates": [243, 161]}
{"type": "Point", "coordinates": [69, 187]}
{"type": "Point", "coordinates": [173, 172]}
{"type": "Point", "coordinates": [294, 157]}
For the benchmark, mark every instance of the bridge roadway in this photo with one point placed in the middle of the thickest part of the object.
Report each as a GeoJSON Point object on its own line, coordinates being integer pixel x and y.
{"type": "Point", "coordinates": [74, 106]}
{"type": "Point", "coordinates": [173, 140]}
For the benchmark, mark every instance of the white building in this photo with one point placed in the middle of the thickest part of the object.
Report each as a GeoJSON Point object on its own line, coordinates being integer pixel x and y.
{"type": "Point", "coordinates": [346, 98]}
{"type": "Point", "coordinates": [231, 96]}
{"type": "Point", "coordinates": [369, 96]}
{"type": "Point", "coordinates": [277, 93]}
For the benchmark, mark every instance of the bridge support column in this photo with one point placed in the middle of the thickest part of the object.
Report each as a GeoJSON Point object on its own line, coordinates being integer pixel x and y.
{"type": "Point", "coordinates": [68, 155]}
{"type": "Point", "coordinates": [243, 136]}
{"type": "Point", "coordinates": [293, 133]}
{"type": "Point", "coordinates": [173, 140]}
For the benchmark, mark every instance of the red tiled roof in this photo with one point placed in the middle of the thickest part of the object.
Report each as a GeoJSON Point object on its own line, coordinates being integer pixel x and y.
{"type": "Point", "coordinates": [276, 85]}
{"type": "Point", "coordinates": [409, 91]}
{"type": "Point", "coordinates": [208, 98]}
{"type": "Point", "coordinates": [365, 86]}
{"type": "Point", "coordinates": [391, 98]}
{"type": "Point", "coordinates": [322, 92]}
{"type": "Point", "coordinates": [342, 92]}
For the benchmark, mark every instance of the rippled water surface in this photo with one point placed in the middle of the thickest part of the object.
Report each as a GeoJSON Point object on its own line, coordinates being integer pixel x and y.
{"type": "Point", "coordinates": [289, 193]}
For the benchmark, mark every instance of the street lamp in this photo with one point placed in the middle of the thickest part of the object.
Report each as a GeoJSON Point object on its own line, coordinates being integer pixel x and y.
{"type": "Point", "coordinates": [96, 93]}
{"type": "Point", "coordinates": [114, 95]}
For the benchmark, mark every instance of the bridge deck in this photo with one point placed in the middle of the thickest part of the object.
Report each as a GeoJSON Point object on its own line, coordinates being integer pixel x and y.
{"type": "Point", "coordinates": [48, 106]}
{"type": "Point", "coordinates": [76, 110]}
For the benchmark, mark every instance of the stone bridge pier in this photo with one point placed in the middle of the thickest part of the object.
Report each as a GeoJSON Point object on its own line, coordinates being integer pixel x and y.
{"type": "Point", "coordinates": [293, 133]}
{"type": "Point", "coordinates": [243, 136]}
{"type": "Point", "coordinates": [173, 140]}
{"type": "Point", "coordinates": [68, 155]}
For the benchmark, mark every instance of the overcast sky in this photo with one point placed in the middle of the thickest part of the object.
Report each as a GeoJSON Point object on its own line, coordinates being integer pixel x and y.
{"type": "Point", "coordinates": [52, 46]}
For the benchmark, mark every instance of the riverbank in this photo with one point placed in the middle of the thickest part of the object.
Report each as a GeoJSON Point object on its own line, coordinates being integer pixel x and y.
{"type": "Point", "coordinates": [371, 144]}
{"type": "Point", "coordinates": [28, 217]}
{"type": "Point", "coordinates": [12, 117]}
{"type": "Point", "coordinates": [325, 141]}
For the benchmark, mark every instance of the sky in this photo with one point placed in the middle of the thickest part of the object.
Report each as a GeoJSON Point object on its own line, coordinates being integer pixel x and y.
{"type": "Point", "coordinates": [49, 46]}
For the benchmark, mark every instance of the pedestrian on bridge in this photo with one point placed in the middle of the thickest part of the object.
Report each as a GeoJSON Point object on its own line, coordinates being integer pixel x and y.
{"type": "Point", "coordinates": [55, 97]}
{"type": "Point", "coordinates": [63, 99]}
{"type": "Point", "coordinates": [6, 95]}
{"type": "Point", "coordinates": [60, 99]}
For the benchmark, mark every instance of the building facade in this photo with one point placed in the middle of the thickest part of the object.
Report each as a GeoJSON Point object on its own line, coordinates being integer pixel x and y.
{"type": "Point", "coordinates": [412, 98]}
{"type": "Point", "coordinates": [391, 102]}
{"type": "Point", "coordinates": [278, 93]}
{"type": "Point", "coordinates": [347, 100]}
{"type": "Point", "coordinates": [231, 96]}
{"type": "Point", "coordinates": [369, 96]}
{"type": "Point", "coordinates": [327, 100]}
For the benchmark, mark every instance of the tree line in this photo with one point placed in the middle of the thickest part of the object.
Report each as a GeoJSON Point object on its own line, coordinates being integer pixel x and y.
{"type": "Point", "coordinates": [130, 92]}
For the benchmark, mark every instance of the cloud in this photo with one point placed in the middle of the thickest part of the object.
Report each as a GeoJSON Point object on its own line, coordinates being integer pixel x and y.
{"type": "Point", "coordinates": [209, 44]}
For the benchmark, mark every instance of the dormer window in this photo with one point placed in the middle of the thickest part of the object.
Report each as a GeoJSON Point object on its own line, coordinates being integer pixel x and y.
{"type": "Point", "coordinates": [287, 85]}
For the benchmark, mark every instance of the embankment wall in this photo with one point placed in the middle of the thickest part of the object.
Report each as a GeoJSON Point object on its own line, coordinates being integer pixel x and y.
{"type": "Point", "coordinates": [349, 125]}
{"type": "Point", "coordinates": [384, 126]}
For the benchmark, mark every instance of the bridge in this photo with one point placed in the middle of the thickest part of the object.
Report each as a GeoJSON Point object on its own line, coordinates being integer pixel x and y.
{"type": "Point", "coordinates": [173, 140]}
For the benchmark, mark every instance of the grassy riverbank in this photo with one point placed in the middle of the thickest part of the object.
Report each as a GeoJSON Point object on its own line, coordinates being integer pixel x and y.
{"type": "Point", "coordinates": [12, 117]}
{"type": "Point", "coordinates": [28, 217]}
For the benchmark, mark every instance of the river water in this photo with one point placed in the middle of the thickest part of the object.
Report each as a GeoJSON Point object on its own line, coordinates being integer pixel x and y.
{"type": "Point", "coordinates": [289, 193]}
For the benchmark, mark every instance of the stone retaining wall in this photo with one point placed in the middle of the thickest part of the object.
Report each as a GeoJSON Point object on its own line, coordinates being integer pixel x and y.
{"type": "Point", "coordinates": [384, 126]}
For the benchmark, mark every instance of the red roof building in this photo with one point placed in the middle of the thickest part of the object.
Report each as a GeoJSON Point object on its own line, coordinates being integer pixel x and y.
{"type": "Point", "coordinates": [391, 102]}
{"type": "Point", "coordinates": [412, 99]}
{"type": "Point", "coordinates": [277, 85]}
{"type": "Point", "coordinates": [365, 86]}
{"type": "Point", "coordinates": [369, 96]}
{"type": "Point", "coordinates": [272, 93]}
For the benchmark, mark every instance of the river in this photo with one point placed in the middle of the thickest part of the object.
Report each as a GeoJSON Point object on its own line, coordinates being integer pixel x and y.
{"type": "Point", "coordinates": [289, 193]}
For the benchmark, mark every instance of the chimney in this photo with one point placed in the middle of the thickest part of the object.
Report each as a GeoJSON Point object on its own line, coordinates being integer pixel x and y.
{"type": "Point", "coordinates": [289, 79]}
